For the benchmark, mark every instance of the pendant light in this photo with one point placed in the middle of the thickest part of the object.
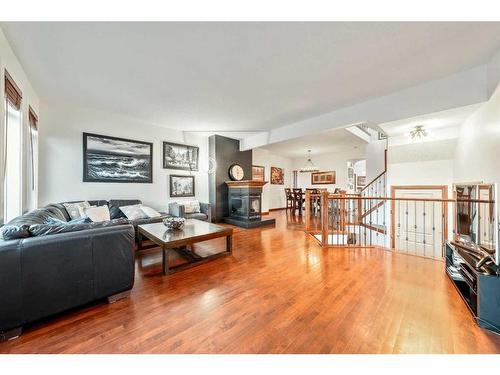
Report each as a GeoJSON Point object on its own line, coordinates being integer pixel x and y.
{"type": "Point", "coordinates": [309, 166]}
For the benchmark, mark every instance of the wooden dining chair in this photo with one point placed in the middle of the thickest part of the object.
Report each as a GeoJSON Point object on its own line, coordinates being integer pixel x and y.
{"type": "Point", "coordinates": [289, 198]}
{"type": "Point", "coordinates": [298, 199]}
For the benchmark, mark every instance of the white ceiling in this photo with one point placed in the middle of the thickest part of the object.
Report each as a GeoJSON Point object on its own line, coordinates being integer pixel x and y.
{"type": "Point", "coordinates": [439, 126]}
{"type": "Point", "coordinates": [239, 76]}
{"type": "Point", "coordinates": [338, 140]}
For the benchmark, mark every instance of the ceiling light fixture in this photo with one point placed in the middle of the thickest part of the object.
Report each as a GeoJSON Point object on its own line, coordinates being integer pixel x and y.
{"type": "Point", "coordinates": [309, 166]}
{"type": "Point", "coordinates": [418, 134]}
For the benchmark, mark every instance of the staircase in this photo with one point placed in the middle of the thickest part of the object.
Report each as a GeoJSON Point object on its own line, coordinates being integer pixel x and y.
{"type": "Point", "coordinates": [372, 213]}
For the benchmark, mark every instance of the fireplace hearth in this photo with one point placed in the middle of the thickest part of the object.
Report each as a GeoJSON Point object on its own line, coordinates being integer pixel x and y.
{"type": "Point", "coordinates": [245, 204]}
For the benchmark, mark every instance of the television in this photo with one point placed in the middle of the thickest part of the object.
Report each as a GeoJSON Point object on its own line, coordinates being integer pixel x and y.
{"type": "Point", "coordinates": [476, 218]}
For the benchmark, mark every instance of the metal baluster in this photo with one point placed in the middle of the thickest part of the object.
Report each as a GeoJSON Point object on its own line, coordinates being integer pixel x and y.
{"type": "Point", "coordinates": [338, 222]}
{"type": "Point", "coordinates": [407, 239]}
{"type": "Point", "coordinates": [370, 222]}
{"type": "Point", "coordinates": [415, 225]}
{"type": "Point", "coordinates": [399, 224]}
{"type": "Point", "coordinates": [376, 218]}
{"type": "Point", "coordinates": [433, 229]}
{"type": "Point", "coordinates": [424, 226]}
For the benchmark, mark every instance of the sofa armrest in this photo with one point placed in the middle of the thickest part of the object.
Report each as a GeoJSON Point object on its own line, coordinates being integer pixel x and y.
{"type": "Point", "coordinates": [176, 209]}
{"type": "Point", "coordinates": [62, 271]}
{"type": "Point", "coordinates": [207, 210]}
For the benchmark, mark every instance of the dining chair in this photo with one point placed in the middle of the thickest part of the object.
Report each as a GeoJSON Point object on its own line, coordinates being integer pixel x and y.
{"type": "Point", "coordinates": [289, 198]}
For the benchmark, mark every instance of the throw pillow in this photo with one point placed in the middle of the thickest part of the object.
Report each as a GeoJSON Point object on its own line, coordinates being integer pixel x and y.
{"type": "Point", "coordinates": [97, 214]}
{"type": "Point", "coordinates": [74, 209]}
{"type": "Point", "coordinates": [133, 212]}
{"type": "Point", "coordinates": [56, 221]}
{"type": "Point", "coordinates": [150, 212]}
{"type": "Point", "coordinates": [192, 207]}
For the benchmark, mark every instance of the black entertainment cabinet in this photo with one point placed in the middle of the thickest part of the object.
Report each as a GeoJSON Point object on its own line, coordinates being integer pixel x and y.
{"type": "Point", "coordinates": [479, 288]}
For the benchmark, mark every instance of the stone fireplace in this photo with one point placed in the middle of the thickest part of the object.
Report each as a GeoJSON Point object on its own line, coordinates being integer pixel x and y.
{"type": "Point", "coordinates": [245, 204]}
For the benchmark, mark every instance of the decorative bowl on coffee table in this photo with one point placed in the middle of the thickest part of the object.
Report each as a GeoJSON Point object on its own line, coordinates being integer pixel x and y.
{"type": "Point", "coordinates": [175, 223]}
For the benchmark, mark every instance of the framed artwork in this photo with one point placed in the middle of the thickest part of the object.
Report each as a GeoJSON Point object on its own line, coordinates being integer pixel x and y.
{"type": "Point", "coordinates": [179, 156]}
{"type": "Point", "coordinates": [181, 186]}
{"type": "Point", "coordinates": [322, 178]}
{"type": "Point", "coordinates": [112, 159]}
{"type": "Point", "coordinates": [277, 176]}
{"type": "Point", "coordinates": [258, 173]}
{"type": "Point", "coordinates": [360, 181]}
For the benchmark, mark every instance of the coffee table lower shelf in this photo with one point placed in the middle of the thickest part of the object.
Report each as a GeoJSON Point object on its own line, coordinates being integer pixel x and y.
{"type": "Point", "coordinates": [191, 258]}
{"type": "Point", "coordinates": [178, 241]}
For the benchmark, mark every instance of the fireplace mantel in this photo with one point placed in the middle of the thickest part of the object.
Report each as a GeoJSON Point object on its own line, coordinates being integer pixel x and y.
{"type": "Point", "coordinates": [245, 184]}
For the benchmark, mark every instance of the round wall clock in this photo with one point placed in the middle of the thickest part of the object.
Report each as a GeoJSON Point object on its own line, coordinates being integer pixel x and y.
{"type": "Point", "coordinates": [236, 172]}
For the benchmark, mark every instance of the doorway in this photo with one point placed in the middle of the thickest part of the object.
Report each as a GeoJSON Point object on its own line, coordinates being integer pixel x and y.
{"type": "Point", "coordinates": [419, 224]}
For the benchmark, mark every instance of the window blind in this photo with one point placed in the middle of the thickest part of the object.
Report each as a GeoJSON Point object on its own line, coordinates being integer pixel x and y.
{"type": "Point", "coordinates": [12, 92]}
{"type": "Point", "coordinates": [33, 119]}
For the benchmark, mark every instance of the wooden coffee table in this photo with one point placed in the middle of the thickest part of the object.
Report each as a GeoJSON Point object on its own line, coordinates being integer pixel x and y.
{"type": "Point", "coordinates": [177, 240]}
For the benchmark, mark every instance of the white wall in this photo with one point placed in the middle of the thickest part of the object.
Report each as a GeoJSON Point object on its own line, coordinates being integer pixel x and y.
{"type": "Point", "coordinates": [478, 149]}
{"type": "Point", "coordinates": [427, 163]}
{"type": "Point", "coordinates": [9, 61]}
{"type": "Point", "coordinates": [375, 159]}
{"type": "Point", "coordinates": [336, 161]}
{"type": "Point", "coordinates": [61, 157]}
{"type": "Point", "coordinates": [273, 196]}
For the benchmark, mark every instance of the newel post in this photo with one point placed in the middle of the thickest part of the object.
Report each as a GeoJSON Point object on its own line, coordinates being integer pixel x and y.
{"type": "Point", "coordinates": [324, 218]}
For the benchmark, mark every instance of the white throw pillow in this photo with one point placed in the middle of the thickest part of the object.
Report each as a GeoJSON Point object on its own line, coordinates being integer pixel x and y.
{"type": "Point", "coordinates": [97, 214]}
{"type": "Point", "coordinates": [74, 209]}
{"type": "Point", "coordinates": [150, 212]}
{"type": "Point", "coordinates": [192, 207]}
{"type": "Point", "coordinates": [133, 212]}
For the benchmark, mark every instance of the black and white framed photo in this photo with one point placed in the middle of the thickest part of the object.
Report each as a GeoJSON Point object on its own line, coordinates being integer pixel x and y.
{"type": "Point", "coordinates": [112, 159]}
{"type": "Point", "coordinates": [181, 186]}
{"type": "Point", "coordinates": [179, 156]}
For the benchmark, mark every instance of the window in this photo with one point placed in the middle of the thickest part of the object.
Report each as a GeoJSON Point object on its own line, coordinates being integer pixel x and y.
{"type": "Point", "coordinates": [12, 173]}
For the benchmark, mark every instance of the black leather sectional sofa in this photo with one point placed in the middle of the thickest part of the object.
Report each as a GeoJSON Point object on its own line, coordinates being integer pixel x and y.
{"type": "Point", "coordinates": [47, 269]}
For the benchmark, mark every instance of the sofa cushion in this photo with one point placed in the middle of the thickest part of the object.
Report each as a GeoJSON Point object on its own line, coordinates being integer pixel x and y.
{"type": "Point", "coordinates": [13, 232]}
{"type": "Point", "coordinates": [198, 215]}
{"type": "Point", "coordinates": [47, 229]}
{"type": "Point", "coordinates": [148, 220]}
{"type": "Point", "coordinates": [58, 211]}
{"type": "Point", "coordinates": [38, 216]}
{"type": "Point", "coordinates": [115, 204]}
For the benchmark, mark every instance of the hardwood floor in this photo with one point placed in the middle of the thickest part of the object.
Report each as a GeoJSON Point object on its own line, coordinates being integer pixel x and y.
{"type": "Point", "coordinates": [279, 292]}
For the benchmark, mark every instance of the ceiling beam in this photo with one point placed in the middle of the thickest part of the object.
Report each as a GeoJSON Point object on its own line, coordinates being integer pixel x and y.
{"type": "Point", "coordinates": [457, 90]}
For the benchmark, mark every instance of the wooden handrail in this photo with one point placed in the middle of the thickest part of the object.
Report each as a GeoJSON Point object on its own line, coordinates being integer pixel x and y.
{"type": "Point", "coordinates": [372, 181]}
{"type": "Point", "coordinates": [332, 196]}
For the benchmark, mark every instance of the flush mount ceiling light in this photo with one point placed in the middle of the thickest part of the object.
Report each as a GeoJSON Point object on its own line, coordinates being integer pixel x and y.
{"type": "Point", "coordinates": [309, 166]}
{"type": "Point", "coordinates": [418, 134]}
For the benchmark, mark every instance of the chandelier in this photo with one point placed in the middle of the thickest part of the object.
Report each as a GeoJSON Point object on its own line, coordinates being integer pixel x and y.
{"type": "Point", "coordinates": [418, 134]}
{"type": "Point", "coordinates": [309, 166]}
